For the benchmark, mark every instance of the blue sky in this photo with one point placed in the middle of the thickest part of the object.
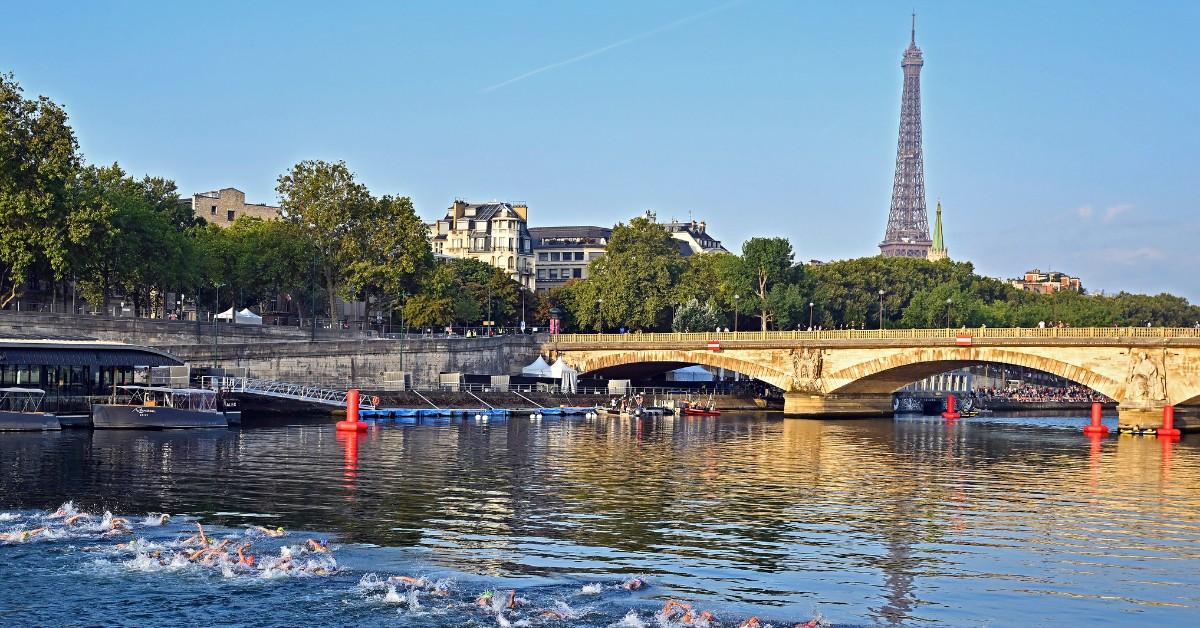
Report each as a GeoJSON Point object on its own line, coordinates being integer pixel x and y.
{"type": "Point", "coordinates": [1059, 134]}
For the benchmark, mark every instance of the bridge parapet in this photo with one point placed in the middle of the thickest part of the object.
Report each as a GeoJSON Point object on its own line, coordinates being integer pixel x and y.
{"type": "Point", "coordinates": [950, 334]}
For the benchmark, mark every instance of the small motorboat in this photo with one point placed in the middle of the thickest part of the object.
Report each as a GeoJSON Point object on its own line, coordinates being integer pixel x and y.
{"type": "Point", "coordinates": [158, 408]}
{"type": "Point", "coordinates": [695, 409]}
{"type": "Point", "coordinates": [20, 410]}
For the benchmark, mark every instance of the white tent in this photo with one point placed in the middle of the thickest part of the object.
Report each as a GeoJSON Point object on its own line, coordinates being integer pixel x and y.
{"type": "Point", "coordinates": [694, 373]}
{"type": "Point", "coordinates": [538, 368]}
{"type": "Point", "coordinates": [563, 371]}
{"type": "Point", "coordinates": [245, 317]}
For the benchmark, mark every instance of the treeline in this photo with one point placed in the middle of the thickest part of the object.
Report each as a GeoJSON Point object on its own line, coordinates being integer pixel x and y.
{"type": "Point", "coordinates": [67, 223]}
{"type": "Point", "coordinates": [642, 283]}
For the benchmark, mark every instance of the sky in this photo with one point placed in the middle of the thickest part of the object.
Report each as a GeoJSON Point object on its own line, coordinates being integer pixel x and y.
{"type": "Point", "coordinates": [1059, 135]}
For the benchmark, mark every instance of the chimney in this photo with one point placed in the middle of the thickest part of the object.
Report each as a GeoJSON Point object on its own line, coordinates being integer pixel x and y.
{"type": "Point", "coordinates": [458, 209]}
{"type": "Point", "coordinates": [522, 210]}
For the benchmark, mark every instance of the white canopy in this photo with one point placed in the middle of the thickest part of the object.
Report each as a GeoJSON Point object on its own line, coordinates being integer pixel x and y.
{"type": "Point", "coordinates": [244, 317]}
{"type": "Point", "coordinates": [563, 371]}
{"type": "Point", "coordinates": [538, 368]}
{"type": "Point", "coordinates": [694, 373]}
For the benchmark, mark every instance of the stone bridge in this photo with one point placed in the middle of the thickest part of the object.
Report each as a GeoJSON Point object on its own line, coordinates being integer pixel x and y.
{"type": "Point", "coordinates": [855, 372]}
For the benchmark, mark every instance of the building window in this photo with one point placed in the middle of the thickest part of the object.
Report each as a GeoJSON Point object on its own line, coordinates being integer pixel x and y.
{"type": "Point", "coordinates": [577, 273]}
{"type": "Point", "coordinates": [554, 273]}
{"type": "Point", "coordinates": [213, 211]}
{"type": "Point", "coordinates": [510, 263]}
{"type": "Point", "coordinates": [229, 215]}
{"type": "Point", "coordinates": [543, 257]}
{"type": "Point", "coordinates": [554, 256]}
{"type": "Point", "coordinates": [579, 256]}
{"type": "Point", "coordinates": [541, 273]}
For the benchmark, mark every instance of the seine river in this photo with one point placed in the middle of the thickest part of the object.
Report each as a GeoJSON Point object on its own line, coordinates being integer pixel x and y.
{"type": "Point", "coordinates": [996, 521]}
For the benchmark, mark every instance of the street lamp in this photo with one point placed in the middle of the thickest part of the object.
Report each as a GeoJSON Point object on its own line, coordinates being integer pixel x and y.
{"type": "Point", "coordinates": [736, 298]}
{"type": "Point", "coordinates": [810, 312]}
{"type": "Point", "coordinates": [948, 303]}
{"type": "Point", "coordinates": [881, 309]}
{"type": "Point", "coordinates": [599, 314]}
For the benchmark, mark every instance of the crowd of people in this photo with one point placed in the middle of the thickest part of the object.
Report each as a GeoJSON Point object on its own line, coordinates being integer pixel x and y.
{"type": "Point", "coordinates": [1029, 392]}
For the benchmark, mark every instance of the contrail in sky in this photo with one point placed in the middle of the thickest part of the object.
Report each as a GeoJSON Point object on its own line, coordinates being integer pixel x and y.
{"type": "Point", "coordinates": [617, 44]}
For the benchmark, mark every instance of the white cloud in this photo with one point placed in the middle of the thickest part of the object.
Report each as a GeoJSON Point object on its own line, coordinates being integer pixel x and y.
{"type": "Point", "coordinates": [1116, 210]}
{"type": "Point", "coordinates": [1084, 212]}
{"type": "Point", "coordinates": [1133, 255]}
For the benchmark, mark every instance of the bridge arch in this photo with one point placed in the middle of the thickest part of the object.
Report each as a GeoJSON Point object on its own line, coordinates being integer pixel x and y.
{"type": "Point", "coordinates": [889, 373]}
{"type": "Point", "coordinates": [597, 361]}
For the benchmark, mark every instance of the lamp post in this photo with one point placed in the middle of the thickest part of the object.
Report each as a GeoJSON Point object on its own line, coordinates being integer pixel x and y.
{"type": "Point", "coordinates": [736, 299]}
{"type": "Point", "coordinates": [216, 310]}
{"type": "Point", "coordinates": [810, 315]}
{"type": "Point", "coordinates": [948, 303]}
{"type": "Point", "coordinates": [881, 309]}
{"type": "Point", "coordinates": [599, 314]}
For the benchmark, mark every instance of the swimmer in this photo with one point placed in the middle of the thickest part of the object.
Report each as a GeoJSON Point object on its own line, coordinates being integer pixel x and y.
{"type": "Point", "coordinates": [198, 538]}
{"type": "Point", "coordinates": [163, 518]}
{"type": "Point", "coordinates": [512, 599]}
{"type": "Point", "coordinates": [634, 584]}
{"type": "Point", "coordinates": [268, 531]}
{"type": "Point", "coordinates": [485, 600]}
{"type": "Point", "coordinates": [553, 615]}
{"type": "Point", "coordinates": [409, 580]}
{"type": "Point", "coordinates": [812, 623]}
{"type": "Point", "coordinates": [243, 559]}
{"type": "Point", "coordinates": [672, 606]}
{"type": "Point", "coordinates": [750, 623]}
{"type": "Point", "coordinates": [63, 511]}
{"type": "Point", "coordinates": [22, 536]}
{"type": "Point", "coordinates": [73, 519]}
{"type": "Point", "coordinates": [320, 547]}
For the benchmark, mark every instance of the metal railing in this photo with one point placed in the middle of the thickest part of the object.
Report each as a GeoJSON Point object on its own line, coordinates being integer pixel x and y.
{"type": "Point", "coordinates": [282, 390]}
{"type": "Point", "coordinates": [886, 334]}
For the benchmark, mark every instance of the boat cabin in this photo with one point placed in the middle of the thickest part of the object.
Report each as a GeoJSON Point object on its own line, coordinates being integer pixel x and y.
{"type": "Point", "coordinates": [157, 396]}
{"type": "Point", "coordinates": [27, 400]}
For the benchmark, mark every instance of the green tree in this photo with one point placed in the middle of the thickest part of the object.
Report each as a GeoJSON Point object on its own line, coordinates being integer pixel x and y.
{"type": "Point", "coordinates": [631, 284]}
{"type": "Point", "coordinates": [324, 199]}
{"type": "Point", "coordinates": [39, 160]}
{"type": "Point", "coordinates": [765, 265]}
{"type": "Point", "coordinates": [695, 316]}
{"type": "Point", "coordinates": [393, 252]}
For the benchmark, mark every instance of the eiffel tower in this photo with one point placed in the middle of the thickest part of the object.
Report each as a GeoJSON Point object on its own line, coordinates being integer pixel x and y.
{"type": "Point", "coordinates": [908, 223]}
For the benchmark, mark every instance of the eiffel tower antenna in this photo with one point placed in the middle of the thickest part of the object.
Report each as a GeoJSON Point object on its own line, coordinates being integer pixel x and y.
{"type": "Point", "coordinates": [907, 232]}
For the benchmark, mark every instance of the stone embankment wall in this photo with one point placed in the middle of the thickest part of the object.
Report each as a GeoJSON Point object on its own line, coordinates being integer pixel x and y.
{"type": "Point", "coordinates": [151, 332]}
{"type": "Point", "coordinates": [365, 363]}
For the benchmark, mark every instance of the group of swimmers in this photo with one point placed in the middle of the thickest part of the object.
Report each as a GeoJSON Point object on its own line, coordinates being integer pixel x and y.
{"type": "Point", "coordinates": [230, 554]}
{"type": "Point", "coordinates": [234, 554]}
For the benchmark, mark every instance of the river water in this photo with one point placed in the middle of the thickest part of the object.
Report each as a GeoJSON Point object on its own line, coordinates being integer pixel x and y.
{"type": "Point", "coordinates": [983, 521]}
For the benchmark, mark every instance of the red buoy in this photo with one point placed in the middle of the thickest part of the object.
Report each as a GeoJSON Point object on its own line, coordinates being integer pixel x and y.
{"type": "Point", "coordinates": [352, 424]}
{"type": "Point", "coordinates": [1168, 428]}
{"type": "Point", "coordinates": [950, 412]}
{"type": "Point", "coordinates": [1096, 427]}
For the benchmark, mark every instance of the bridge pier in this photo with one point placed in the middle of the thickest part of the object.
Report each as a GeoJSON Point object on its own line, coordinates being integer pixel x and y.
{"type": "Point", "coordinates": [809, 405]}
{"type": "Point", "coordinates": [1137, 417]}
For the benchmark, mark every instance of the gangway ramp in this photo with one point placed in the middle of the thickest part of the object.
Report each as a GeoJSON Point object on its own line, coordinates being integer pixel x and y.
{"type": "Point", "coordinates": [283, 390]}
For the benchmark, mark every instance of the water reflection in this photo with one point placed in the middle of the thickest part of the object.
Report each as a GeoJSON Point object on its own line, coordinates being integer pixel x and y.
{"type": "Point", "coordinates": [868, 521]}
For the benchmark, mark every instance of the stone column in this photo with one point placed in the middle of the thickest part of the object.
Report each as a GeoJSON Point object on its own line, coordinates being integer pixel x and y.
{"type": "Point", "coordinates": [845, 406]}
